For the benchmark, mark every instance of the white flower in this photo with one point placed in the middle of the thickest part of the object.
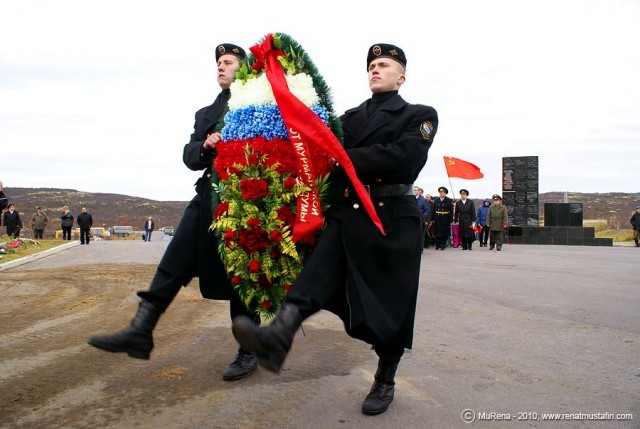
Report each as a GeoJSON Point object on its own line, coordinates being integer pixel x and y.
{"type": "Point", "coordinates": [258, 91]}
{"type": "Point", "coordinates": [301, 85]}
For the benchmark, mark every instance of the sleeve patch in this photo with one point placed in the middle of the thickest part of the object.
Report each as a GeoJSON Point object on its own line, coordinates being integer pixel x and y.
{"type": "Point", "coordinates": [426, 128]}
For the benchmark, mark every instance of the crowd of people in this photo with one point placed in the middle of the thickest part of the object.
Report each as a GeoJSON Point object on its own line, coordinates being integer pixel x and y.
{"type": "Point", "coordinates": [12, 222]}
{"type": "Point", "coordinates": [457, 224]}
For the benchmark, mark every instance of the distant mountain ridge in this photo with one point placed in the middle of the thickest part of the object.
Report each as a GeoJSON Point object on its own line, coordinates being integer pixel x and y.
{"type": "Point", "coordinates": [118, 209]}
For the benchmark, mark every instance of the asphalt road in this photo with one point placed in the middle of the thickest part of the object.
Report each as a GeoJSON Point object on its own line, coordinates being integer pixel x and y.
{"type": "Point", "coordinates": [509, 335]}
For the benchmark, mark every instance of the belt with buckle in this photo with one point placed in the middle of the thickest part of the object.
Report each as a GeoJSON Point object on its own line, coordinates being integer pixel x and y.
{"type": "Point", "coordinates": [394, 190]}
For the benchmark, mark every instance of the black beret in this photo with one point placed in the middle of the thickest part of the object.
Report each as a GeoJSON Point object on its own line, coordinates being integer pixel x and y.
{"type": "Point", "coordinates": [496, 197]}
{"type": "Point", "coordinates": [465, 191]}
{"type": "Point", "coordinates": [384, 50]}
{"type": "Point", "coordinates": [445, 190]}
{"type": "Point", "coordinates": [231, 49]}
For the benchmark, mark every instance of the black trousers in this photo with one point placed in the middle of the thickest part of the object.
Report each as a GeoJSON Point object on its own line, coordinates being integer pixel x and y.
{"type": "Point", "coordinates": [441, 242]}
{"type": "Point", "coordinates": [483, 236]}
{"type": "Point", "coordinates": [38, 233]}
{"type": "Point", "coordinates": [66, 233]}
{"type": "Point", "coordinates": [85, 234]}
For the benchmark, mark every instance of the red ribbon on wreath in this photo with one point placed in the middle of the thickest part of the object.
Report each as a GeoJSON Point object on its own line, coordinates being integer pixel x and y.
{"type": "Point", "coordinates": [305, 126]}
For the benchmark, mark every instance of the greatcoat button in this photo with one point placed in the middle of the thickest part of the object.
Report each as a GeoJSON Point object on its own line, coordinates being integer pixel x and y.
{"type": "Point", "coordinates": [356, 206]}
{"type": "Point", "coordinates": [380, 204]}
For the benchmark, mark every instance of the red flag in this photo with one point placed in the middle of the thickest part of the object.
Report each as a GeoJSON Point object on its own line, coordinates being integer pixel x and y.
{"type": "Point", "coordinates": [462, 169]}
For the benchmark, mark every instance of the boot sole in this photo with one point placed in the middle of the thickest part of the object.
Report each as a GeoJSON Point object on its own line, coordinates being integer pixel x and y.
{"type": "Point", "coordinates": [376, 412]}
{"type": "Point", "coordinates": [246, 333]}
{"type": "Point", "coordinates": [239, 376]}
{"type": "Point", "coordinates": [137, 354]}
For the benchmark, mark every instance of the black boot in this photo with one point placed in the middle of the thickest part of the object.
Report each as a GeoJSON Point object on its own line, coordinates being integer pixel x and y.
{"type": "Point", "coordinates": [136, 339]}
{"type": "Point", "coordinates": [271, 343]}
{"type": "Point", "coordinates": [244, 365]}
{"type": "Point", "coordinates": [381, 394]}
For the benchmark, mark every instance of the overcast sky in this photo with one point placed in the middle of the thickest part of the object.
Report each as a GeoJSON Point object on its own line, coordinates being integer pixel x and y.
{"type": "Point", "coordinates": [101, 96]}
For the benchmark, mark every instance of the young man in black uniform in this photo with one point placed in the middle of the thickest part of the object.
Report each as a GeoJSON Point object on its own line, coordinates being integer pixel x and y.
{"type": "Point", "coordinates": [192, 251]}
{"type": "Point", "coordinates": [369, 280]}
{"type": "Point", "coordinates": [465, 216]}
{"type": "Point", "coordinates": [442, 216]}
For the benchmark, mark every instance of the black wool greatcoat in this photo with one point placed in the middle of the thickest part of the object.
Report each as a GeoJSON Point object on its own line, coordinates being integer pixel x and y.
{"type": "Point", "coordinates": [442, 216]}
{"type": "Point", "coordinates": [465, 216]}
{"type": "Point", "coordinates": [192, 251]}
{"type": "Point", "coordinates": [371, 280]}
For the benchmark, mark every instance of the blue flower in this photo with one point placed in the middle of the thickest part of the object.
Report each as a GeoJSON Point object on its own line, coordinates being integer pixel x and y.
{"type": "Point", "coordinates": [263, 120]}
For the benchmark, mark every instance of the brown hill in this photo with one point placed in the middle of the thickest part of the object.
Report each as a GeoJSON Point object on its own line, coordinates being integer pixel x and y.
{"type": "Point", "coordinates": [117, 209]}
{"type": "Point", "coordinates": [616, 208]}
{"type": "Point", "coordinates": [108, 209]}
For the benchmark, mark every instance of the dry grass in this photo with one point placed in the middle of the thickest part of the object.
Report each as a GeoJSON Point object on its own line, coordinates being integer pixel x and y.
{"type": "Point", "coordinates": [598, 224]}
{"type": "Point", "coordinates": [28, 248]}
{"type": "Point", "coordinates": [618, 235]}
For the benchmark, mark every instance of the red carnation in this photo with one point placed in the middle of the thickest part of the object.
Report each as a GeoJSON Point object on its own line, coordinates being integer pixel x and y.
{"type": "Point", "coordinates": [287, 287]}
{"type": "Point", "coordinates": [235, 171]}
{"type": "Point", "coordinates": [253, 240]}
{"type": "Point", "coordinates": [266, 304]}
{"type": "Point", "coordinates": [223, 175]}
{"type": "Point", "coordinates": [252, 159]}
{"type": "Point", "coordinates": [252, 189]}
{"type": "Point", "coordinates": [253, 222]}
{"type": "Point", "coordinates": [290, 182]}
{"type": "Point", "coordinates": [275, 236]}
{"type": "Point", "coordinates": [236, 280]}
{"type": "Point", "coordinates": [221, 209]}
{"type": "Point", "coordinates": [229, 235]}
{"type": "Point", "coordinates": [285, 215]}
{"type": "Point", "coordinates": [254, 266]}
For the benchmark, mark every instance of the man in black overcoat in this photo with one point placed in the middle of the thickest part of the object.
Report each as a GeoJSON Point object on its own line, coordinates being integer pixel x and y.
{"type": "Point", "coordinates": [465, 216]}
{"type": "Point", "coordinates": [369, 280]}
{"type": "Point", "coordinates": [442, 216]}
{"type": "Point", "coordinates": [12, 222]}
{"type": "Point", "coordinates": [192, 251]}
{"type": "Point", "coordinates": [85, 222]}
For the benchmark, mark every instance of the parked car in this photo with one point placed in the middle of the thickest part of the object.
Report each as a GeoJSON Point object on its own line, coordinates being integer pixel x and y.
{"type": "Point", "coordinates": [168, 230]}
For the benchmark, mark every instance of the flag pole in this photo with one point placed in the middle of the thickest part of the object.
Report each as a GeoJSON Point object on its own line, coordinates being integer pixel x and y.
{"type": "Point", "coordinates": [452, 191]}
